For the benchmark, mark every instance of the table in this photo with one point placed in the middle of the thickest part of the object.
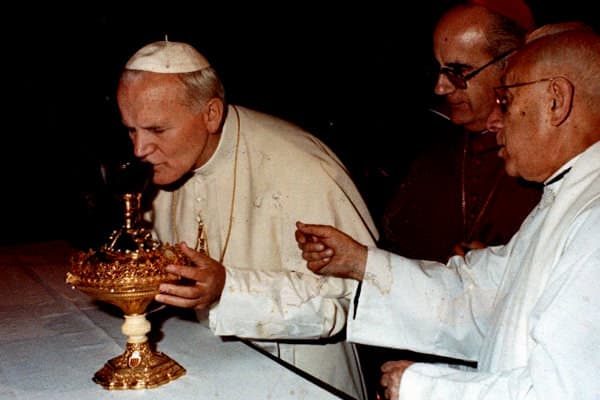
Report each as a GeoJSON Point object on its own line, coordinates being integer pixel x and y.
{"type": "Point", "coordinates": [54, 338]}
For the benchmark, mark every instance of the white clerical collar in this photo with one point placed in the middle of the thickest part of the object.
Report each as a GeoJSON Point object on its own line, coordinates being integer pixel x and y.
{"type": "Point", "coordinates": [228, 143]}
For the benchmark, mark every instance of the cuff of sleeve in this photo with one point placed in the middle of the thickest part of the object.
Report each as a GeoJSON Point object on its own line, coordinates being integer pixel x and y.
{"type": "Point", "coordinates": [439, 381]}
{"type": "Point", "coordinates": [373, 275]}
{"type": "Point", "coordinates": [378, 271]}
{"type": "Point", "coordinates": [414, 385]}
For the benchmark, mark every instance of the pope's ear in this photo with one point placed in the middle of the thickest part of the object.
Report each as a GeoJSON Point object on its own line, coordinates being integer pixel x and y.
{"type": "Point", "coordinates": [561, 92]}
{"type": "Point", "coordinates": [214, 114]}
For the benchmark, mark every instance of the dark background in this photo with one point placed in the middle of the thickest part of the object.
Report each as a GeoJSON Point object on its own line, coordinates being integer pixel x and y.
{"type": "Point", "coordinates": [353, 75]}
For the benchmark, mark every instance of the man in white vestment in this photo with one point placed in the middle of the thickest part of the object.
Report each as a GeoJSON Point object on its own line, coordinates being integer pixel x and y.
{"type": "Point", "coordinates": [233, 182]}
{"type": "Point", "coordinates": [527, 312]}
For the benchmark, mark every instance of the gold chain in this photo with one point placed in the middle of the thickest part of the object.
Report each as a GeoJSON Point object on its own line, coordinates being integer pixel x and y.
{"type": "Point", "coordinates": [201, 240]}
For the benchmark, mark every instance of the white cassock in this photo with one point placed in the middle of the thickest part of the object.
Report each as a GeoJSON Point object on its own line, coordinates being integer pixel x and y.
{"type": "Point", "coordinates": [282, 175]}
{"type": "Point", "coordinates": [527, 312]}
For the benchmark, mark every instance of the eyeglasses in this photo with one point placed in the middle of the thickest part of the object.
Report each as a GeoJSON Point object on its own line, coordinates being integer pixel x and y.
{"type": "Point", "coordinates": [459, 80]}
{"type": "Point", "coordinates": [502, 95]}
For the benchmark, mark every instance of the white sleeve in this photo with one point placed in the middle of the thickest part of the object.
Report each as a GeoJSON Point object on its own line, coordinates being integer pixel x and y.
{"type": "Point", "coordinates": [285, 300]}
{"type": "Point", "coordinates": [565, 336]}
{"type": "Point", "coordinates": [276, 305]}
{"type": "Point", "coordinates": [427, 306]}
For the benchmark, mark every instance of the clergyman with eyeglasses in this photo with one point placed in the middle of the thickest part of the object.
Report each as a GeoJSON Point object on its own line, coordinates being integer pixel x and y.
{"type": "Point", "coordinates": [456, 195]}
{"type": "Point", "coordinates": [457, 183]}
{"type": "Point", "coordinates": [529, 311]}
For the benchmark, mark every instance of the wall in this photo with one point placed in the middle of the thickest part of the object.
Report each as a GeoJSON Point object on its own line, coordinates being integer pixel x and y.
{"type": "Point", "coordinates": [353, 76]}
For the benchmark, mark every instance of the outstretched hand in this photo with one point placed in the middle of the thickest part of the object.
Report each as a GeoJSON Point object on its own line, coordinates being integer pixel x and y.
{"type": "Point", "coordinates": [329, 251]}
{"type": "Point", "coordinates": [203, 285]}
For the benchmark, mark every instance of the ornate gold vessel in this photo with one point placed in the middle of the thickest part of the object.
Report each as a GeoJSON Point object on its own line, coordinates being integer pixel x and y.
{"type": "Point", "coordinates": [126, 272]}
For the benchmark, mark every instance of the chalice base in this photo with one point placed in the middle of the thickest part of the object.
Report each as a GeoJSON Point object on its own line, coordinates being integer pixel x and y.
{"type": "Point", "coordinates": [138, 368]}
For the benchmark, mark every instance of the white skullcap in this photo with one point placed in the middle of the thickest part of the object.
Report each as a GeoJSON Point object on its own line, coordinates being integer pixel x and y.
{"type": "Point", "coordinates": [167, 58]}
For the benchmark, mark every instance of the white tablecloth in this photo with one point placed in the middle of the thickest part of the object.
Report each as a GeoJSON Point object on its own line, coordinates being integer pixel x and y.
{"type": "Point", "coordinates": [54, 338]}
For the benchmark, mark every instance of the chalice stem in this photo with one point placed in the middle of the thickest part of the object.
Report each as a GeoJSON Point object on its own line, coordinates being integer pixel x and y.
{"type": "Point", "coordinates": [136, 327]}
{"type": "Point", "coordinates": [139, 367]}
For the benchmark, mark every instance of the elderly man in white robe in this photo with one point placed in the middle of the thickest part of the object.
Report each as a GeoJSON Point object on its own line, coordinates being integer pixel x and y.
{"type": "Point", "coordinates": [527, 312]}
{"type": "Point", "coordinates": [233, 182]}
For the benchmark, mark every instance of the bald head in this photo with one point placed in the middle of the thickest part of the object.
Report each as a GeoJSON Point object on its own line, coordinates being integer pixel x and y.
{"type": "Point", "coordinates": [516, 10]}
{"type": "Point", "coordinates": [551, 29]}
{"type": "Point", "coordinates": [468, 20]}
{"type": "Point", "coordinates": [572, 51]}
{"type": "Point", "coordinates": [549, 98]}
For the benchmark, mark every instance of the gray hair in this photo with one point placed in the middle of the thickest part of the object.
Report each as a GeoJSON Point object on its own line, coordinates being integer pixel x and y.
{"type": "Point", "coordinates": [503, 34]}
{"type": "Point", "coordinates": [200, 86]}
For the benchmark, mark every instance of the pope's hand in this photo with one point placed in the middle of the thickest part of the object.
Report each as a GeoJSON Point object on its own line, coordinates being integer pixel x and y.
{"type": "Point", "coordinates": [205, 282]}
{"type": "Point", "coordinates": [328, 251]}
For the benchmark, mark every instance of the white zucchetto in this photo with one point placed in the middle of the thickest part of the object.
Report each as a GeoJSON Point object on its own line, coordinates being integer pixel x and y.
{"type": "Point", "coordinates": [167, 58]}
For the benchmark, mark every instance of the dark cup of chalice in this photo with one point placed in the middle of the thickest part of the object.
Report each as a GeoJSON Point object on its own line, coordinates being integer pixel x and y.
{"type": "Point", "coordinates": [126, 271]}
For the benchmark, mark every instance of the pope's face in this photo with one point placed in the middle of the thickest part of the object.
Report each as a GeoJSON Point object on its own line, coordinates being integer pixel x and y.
{"type": "Point", "coordinates": [165, 131]}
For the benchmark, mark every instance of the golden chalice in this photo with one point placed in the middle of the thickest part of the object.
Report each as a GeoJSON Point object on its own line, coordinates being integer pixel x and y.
{"type": "Point", "coordinates": [126, 272]}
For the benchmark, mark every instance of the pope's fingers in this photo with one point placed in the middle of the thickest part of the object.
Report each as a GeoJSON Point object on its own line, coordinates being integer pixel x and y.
{"type": "Point", "coordinates": [185, 271]}
{"type": "Point", "coordinates": [196, 257]}
{"type": "Point", "coordinates": [185, 291]}
{"type": "Point", "coordinates": [173, 300]}
{"type": "Point", "coordinates": [182, 302]}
